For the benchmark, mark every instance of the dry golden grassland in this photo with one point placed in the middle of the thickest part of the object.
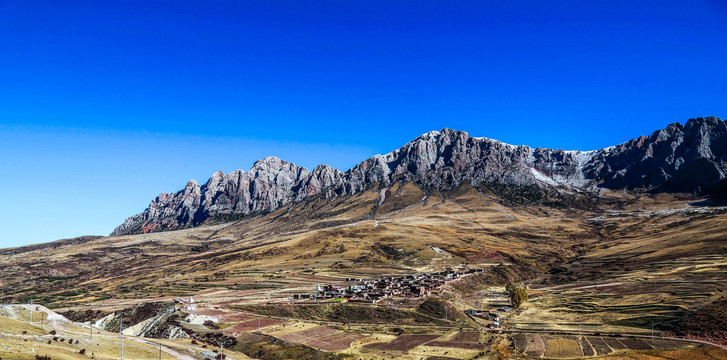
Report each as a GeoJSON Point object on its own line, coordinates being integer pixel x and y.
{"type": "Point", "coordinates": [617, 266]}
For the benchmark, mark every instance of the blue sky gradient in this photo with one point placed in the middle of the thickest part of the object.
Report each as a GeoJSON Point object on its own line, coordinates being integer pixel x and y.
{"type": "Point", "coordinates": [104, 105]}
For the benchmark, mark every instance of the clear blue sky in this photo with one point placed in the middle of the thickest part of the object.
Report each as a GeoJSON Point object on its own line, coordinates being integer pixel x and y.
{"type": "Point", "coordinates": [105, 104]}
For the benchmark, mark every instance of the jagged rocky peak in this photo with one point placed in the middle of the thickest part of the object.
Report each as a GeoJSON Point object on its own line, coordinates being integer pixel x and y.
{"type": "Point", "coordinates": [272, 168]}
{"type": "Point", "coordinates": [269, 184]}
{"type": "Point", "coordinates": [678, 158]}
{"type": "Point", "coordinates": [322, 177]}
{"type": "Point", "coordinates": [443, 159]}
{"type": "Point", "coordinates": [689, 157]}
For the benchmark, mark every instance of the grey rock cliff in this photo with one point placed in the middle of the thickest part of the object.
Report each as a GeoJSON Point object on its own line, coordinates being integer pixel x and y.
{"type": "Point", "coordinates": [677, 158]}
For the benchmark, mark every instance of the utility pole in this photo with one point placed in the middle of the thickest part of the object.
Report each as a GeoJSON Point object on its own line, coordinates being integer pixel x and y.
{"type": "Point", "coordinates": [221, 350]}
{"type": "Point", "coordinates": [160, 351]}
{"type": "Point", "coordinates": [121, 330]}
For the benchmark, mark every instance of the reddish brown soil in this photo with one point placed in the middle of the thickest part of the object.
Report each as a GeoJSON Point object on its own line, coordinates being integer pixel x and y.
{"type": "Point", "coordinates": [520, 342]}
{"type": "Point", "coordinates": [322, 337]}
{"type": "Point", "coordinates": [467, 337]}
{"type": "Point", "coordinates": [636, 344]}
{"type": "Point", "coordinates": [237, 280]}
{"type": "Point", "coordinates": [614, 344]}
{"type": "Point", "coordinates": [305, 336]}
{"type": "Point", "coordinates": [599, 345]}
{"type": "Point", "coordinates": [318, 278]}
{"type": "Point", "coordinates": [457, 345]}
{"type": "Point", "coordinates": [700, 353]}
{"type": "Point", "coordinates": [336, 342]}
{"type": "Point", "coordinates": [236, 318]}
{"type": "Point", "coordinates": [586, 349]}
{"type": "Point", "coordinates": [709, 322]}
{"type": "Point", "coordinates": [403, 342]}
{"type": "Point", "coordinates": [662, 344]}
{"type": "Point", "coordinates": [464, 340]}
{"type": "Point", "coordinates": [535, 345]}
{"type": "Point", "coordinates": [251, 325]}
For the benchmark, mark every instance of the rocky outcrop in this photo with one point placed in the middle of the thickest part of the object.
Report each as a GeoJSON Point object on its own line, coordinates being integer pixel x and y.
{"type": "Point", "coordinates": [145, 327]}
{"type": "Point", "coordinates": [447, 158]}
{"type": "Point", "coordinates": [269, 184]}
{"type": "Point", "coordinates": [679, 158]}
{"type": "Point", "coordinates": [144, 319]}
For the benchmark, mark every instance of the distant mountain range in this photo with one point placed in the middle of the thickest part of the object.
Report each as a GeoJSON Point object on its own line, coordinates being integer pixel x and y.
{"type": "Point", "coordinates": [679, 158]}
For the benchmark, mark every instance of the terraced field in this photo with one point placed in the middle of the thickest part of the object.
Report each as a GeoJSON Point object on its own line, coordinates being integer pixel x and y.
{"type": "Point", "coordinates": [463, 340]}
{"type": "Point", "coordinates": [403, 343]}
{"type": "Point", "coordinates": [568, 346]}
{"type": "Point", "coordinates": [322, 337]}
{"type": "Point", "coordinates": [616, 266]}
{"type": "Point", "coordinates": [251, 325]}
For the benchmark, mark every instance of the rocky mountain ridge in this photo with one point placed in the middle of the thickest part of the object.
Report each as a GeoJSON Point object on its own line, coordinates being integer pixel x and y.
{"type": "Point", "coordinates": [679, 158]}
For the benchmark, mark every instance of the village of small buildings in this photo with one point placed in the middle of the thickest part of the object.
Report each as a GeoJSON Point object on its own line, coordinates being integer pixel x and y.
{"type": "Point", "coordinates": [382, 289]}
{"type": "Point", "coordinates": [373, 291]}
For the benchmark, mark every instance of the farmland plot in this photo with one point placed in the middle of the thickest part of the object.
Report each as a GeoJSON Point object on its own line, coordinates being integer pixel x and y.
{"type": "Point", "coordinates": [586, 348]}
{"type": "Point", "coordinates": [521, 342]}
{"type": "Point", "coordinates": [235, 317]}
{"type": "Point", "coordinates": [599, 345]}
{"type": "Point", "coordinates": [467, 337]}
{"type": "Point", "coordinates": [562, 348]}
{"type": "Point", "coordinates": [699, 353]}
{"type": "Point", "coordinates": [322, 337]}
{"type": "Point", "coordinates": [636, 344]}
{"type": "Point", "coordinates": [336, 342]}
{"type": "Point", "coordinates": [403, 342]}
{"type": "Point", "coordinates": [614, 344]}
{"type": "Point", "coordinates": [308, 335]}
{"type": "Point", "coordinates": [535, 346]}
{"type": "Point", "coordinates": [464, 340]}
{"type": "Point", "coordinates": [663, 344]}
{"type": "Point", "coordinates": [251, 325]}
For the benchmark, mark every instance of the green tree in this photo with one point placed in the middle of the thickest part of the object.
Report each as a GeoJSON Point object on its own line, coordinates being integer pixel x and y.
{"type": "Point", "coordinates": [518, 296]}
{"type": "Point", "coordinates": [509, 287]}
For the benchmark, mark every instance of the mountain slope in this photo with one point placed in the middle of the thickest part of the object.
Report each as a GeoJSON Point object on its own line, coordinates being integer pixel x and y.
{"type": "Point", "coordinates": [688, 158]}
{"type": "Point", "coordinates": [679, 158]}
